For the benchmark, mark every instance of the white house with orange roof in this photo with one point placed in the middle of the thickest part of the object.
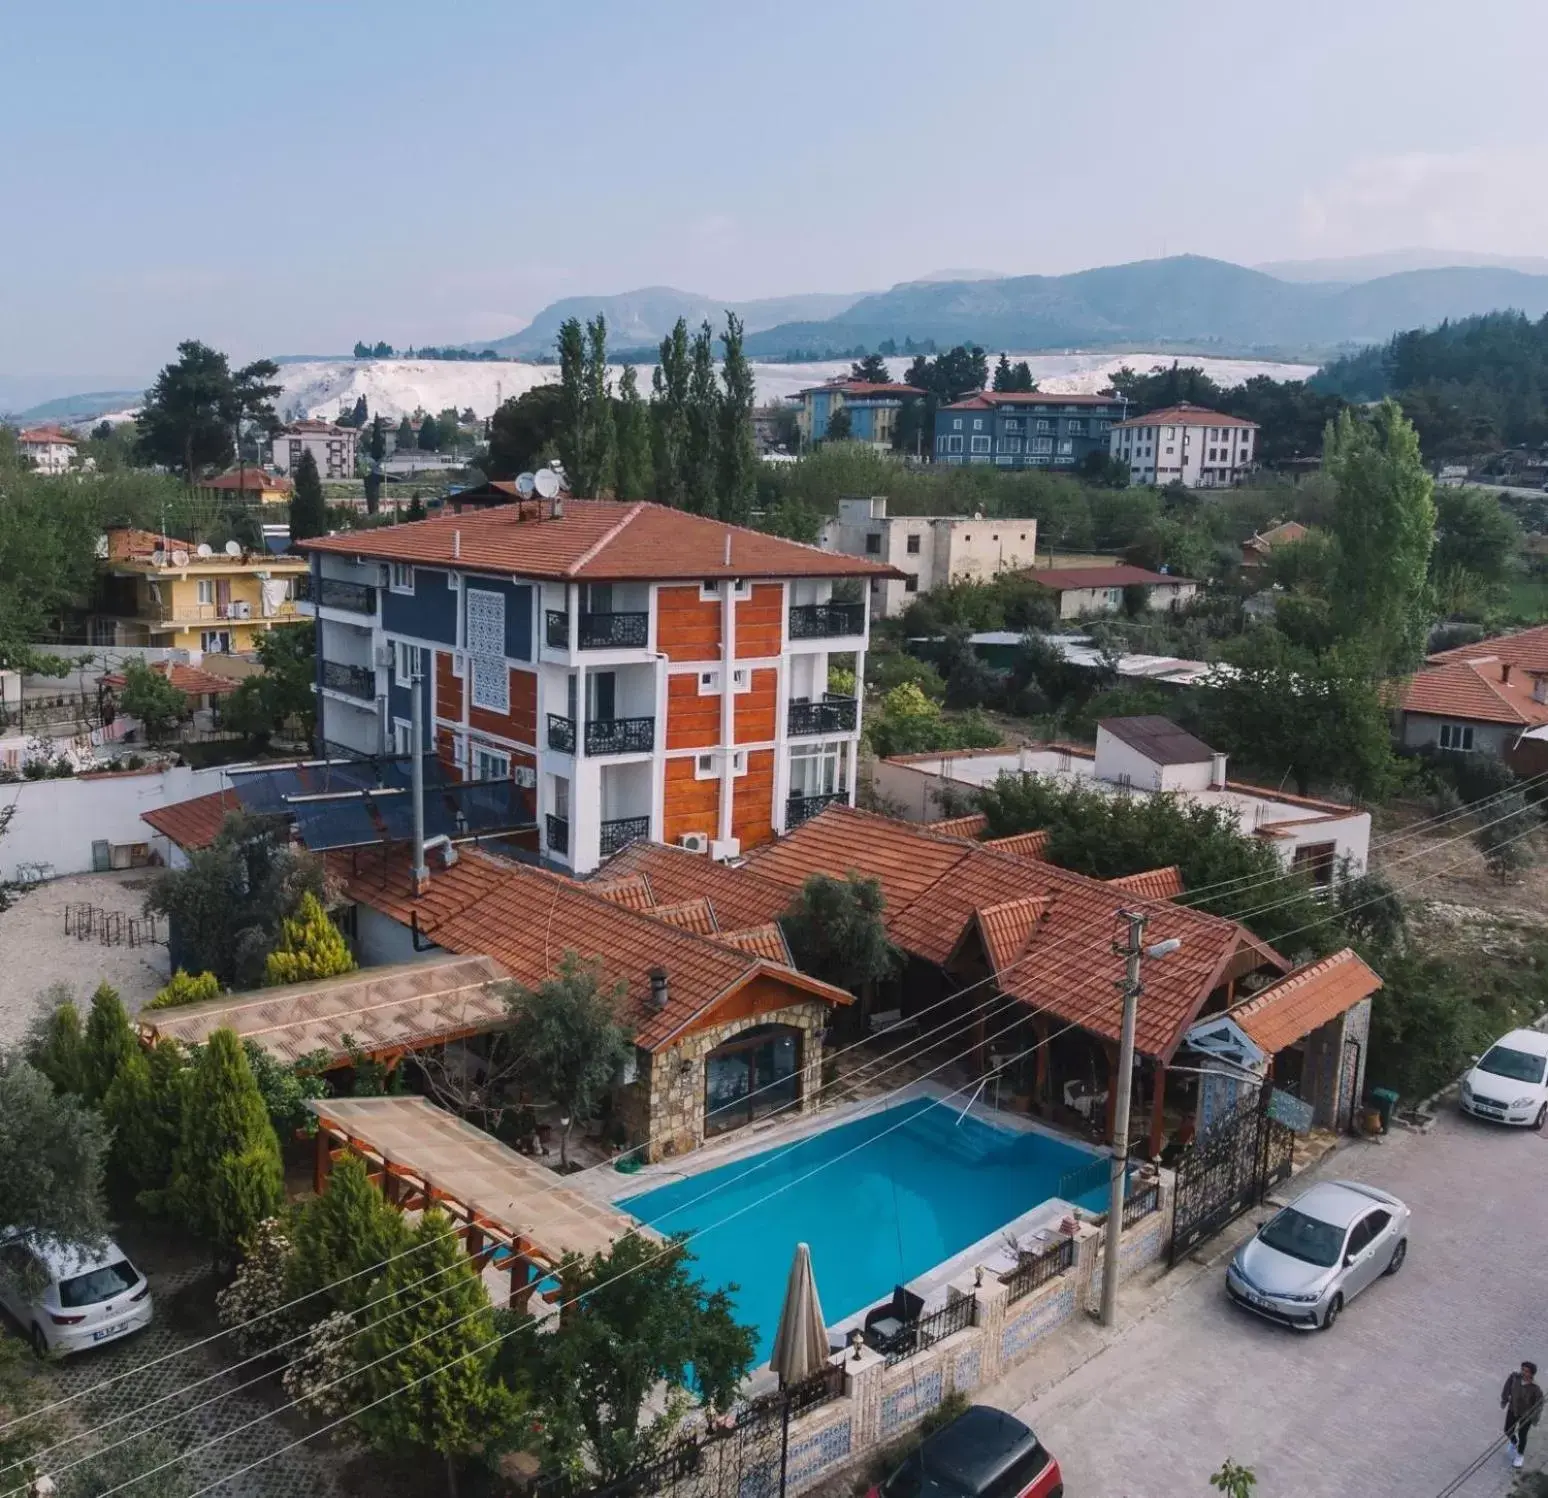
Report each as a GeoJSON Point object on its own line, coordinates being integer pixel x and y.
{"type": "Point", "coordinates": [331, 446]}
{"type": "Point", "coordinates": [1487, 698]}
{"type": "Point", "coordinates": [48, 449]}
{"type": "Point", "coordinates": [1185, 444]}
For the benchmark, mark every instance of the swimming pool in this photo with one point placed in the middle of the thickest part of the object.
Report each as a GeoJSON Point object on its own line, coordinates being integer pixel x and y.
{"type": "Point", "coordinates": [922, 1188]}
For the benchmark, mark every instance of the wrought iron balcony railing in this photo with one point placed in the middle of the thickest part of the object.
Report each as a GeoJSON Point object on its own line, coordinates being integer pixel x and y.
{"type": "Point", "coordinates": [831, 715]}
{"type": "Point", "coordinates": [353, 681]}
{"type": "Point", "coordinates": [823, 621]}
{"type": "Point", "coordinates": [620, 735]}
{"type": "Point", "coordinates": [621, 832]}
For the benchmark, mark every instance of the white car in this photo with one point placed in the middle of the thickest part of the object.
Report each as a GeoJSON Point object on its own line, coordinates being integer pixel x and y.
{"type": "Point", "coordinates": [1507, 1083]}
{"type": "Point", "coordinates": [89, 1295]}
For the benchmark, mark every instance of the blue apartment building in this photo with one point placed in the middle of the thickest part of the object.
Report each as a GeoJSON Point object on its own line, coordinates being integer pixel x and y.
{"type": "Point", "coordinates": [1025, 429]}
{"type": "Point", "coordinates": [873, 410]}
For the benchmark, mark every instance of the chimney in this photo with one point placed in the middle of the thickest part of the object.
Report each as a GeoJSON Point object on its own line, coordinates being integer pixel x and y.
{"type": "Point", "coordinates": [1217, 771]}
{"type": "Point", "coordinates": [1504, 671]}
{"type": "Point", "coordinates": [456, 545]}
{"type": "Point", "coordinates": [728, 548]}
{"type": "Point", "coordinates": [659, 992]}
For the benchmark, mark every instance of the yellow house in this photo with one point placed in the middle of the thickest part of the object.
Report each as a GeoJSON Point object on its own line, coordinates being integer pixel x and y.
{"type": "Point", "coordinates": [155, 590]}
{"type": "Point", "coordinates": [252, 483]}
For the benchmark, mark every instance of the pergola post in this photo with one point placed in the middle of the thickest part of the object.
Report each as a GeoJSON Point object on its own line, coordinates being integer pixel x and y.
{"type": "Point", "coordinates": [322, 1160]}
{"type": "Point", "coordinates": [1157, 1104]}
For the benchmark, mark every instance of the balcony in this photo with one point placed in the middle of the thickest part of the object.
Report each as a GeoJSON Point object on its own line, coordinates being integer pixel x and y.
{"type": "Point", "coordinates": [614, 631]}
{"type": "Point", "coordinates": [352, 681]}
{"type": "Point", "coordinates": [620, 735]}
{"type": "Point", "coordinates": [800, 809]}
{"type": "Point", "coordinates": [561, 733]}
{"type": "Point", "coordinates": [831, 715]}
{"type": "Point", "coordinates": [824, 621]}
{"type": "Point", "coordinates": [353, 598]}
{"type": "Point", "coordinates": [558, 834]}
{"type": "Point", "coordinates": [556, 624]}
{"type": "Point", "coordinates": [302, 588]}
{"type": "Point", "coordinates": [621, 833]}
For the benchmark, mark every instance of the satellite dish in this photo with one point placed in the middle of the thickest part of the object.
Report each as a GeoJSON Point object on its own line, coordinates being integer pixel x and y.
{"type": "Point", "coordinates": [205, 549]}
{"type": "Point", "coordinates": [233, 548]}
{"type": "Point", "coordinates": [158, 558]}
{"type": "Point", "coordinates": [546, 482]}
{"type": "Point", "coordinates": [179, 558]}
{"type": "Point", "coordinates": [525, 484]}
{"type": "Point", "coordinates": [101, 548]}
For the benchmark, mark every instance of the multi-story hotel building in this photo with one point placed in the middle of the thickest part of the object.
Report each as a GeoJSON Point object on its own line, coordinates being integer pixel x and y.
{"type": "Point", "coordinates": [636, 671]}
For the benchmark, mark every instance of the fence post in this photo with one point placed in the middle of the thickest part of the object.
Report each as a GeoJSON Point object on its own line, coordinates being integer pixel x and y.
{"type": "Point", "coordinates": [990, 1300]}
{"type": "Point", "coordinates": [863, 1384]}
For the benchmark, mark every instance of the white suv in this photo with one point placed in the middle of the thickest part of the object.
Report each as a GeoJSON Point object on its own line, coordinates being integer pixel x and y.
{"type": "Point", "coordinates": [1507, 1082]}
{"type": "Point", "coordinates": [89, 1295]}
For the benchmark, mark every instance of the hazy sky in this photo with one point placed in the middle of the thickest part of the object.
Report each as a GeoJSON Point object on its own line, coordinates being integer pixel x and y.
{"type": "Point", "coordinates": [290, 175]}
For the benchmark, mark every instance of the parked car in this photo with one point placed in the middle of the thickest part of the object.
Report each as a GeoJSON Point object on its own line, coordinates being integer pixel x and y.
{"type": "Point", "coordinates": [88, 1295]}
{"type": "Point", "coordinates": [983, 1453]}
{"type": "Point", "coordinates": [1507, 1083]}
{"type": "Point", "coordinates": [1310, 1259]}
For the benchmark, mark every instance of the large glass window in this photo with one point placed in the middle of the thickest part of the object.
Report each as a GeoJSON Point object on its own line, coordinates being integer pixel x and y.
{"type": "Point", "coordinates": [752, 1074]}
{"type": "Point", "coordinates": [819, 769]}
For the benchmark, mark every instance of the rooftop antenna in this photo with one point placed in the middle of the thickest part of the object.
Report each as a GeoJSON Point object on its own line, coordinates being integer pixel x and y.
{"type": "Point", "coordinates": [525, 484]}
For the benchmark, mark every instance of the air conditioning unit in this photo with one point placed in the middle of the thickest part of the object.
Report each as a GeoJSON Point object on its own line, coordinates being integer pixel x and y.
{"type": "Point", "coordinates": [384, 655]}
{"type": "Point", "coordinates": [723, 849]}
{"type": "Point", "coordinates": [694, 842]}
{"type": "Point", "coordinates": [525, 777]}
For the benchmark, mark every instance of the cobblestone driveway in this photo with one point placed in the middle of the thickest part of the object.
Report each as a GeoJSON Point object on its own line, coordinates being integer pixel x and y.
{"type": "Point", "coordinates": [1396, 1400]}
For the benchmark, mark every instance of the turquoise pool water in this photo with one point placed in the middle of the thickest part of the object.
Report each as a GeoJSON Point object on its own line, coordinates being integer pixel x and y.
{"type": "Point", "coordinates": [922, 1188]}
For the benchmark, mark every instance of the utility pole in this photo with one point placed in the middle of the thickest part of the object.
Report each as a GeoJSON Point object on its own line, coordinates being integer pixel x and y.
{"type": "Point", "coordinates": [420, 877]}
{"type": "Point", "coordinates": [1130, 986]}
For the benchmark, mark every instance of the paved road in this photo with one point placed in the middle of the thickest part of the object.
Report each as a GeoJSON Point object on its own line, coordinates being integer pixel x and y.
{"type": "Point", "coordinates": [1395, 1400]}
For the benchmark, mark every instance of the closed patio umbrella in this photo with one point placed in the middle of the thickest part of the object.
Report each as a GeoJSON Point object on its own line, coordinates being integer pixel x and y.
{"type": "Point", "coordinates": [800, 1344]}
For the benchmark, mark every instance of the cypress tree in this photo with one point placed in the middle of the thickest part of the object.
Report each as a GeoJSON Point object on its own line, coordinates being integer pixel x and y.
{"type": "Point", "coordinates": [703, 424]}
{"type": "Point", "coordinates": [226, 1172]}
{"type": "Point", "coordinates": [669, 418]}
{"type": "Point", "coordinates": [109, 1042]}
{"type": "Point", "coordinates": [572, 402]}
{"type": "Point", "coordinates": [436, 1351]}
{"type": "Point", "coordinates": [378, 447]}
{"type": "Point", "coordinates": [57, 1048]}
{"type": "Point", "coordinates": [633, 424]}
{"type": "Point", "coordinates": [308, 513]}
{"type": "Point", "coordinates": [738, 452]}
{"type": "Point", "coordinates": [599, 452]}
{"type": "Point", "coordinates": [143, 1108]}
{"type": "Point", "coordinates": [310, 946]}
{"type": "Point", "coordinates": [405, 434]}
{"type": "Point", "coordinates": [429, 435]}
{"type": "Point", "coordinates": [347, 1229]}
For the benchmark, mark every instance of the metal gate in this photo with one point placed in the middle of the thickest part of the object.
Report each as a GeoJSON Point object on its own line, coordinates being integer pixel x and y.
{"type": "Point", "coordinates": [1230, 1168]}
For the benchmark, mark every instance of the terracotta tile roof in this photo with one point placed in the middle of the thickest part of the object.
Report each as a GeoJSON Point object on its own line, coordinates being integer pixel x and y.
{"type": "Point", "coordinates": [1527, 648]}
{"type": "Point", "coordinates": [987, 400]}
{"type": "Point", "coordinates": [767, 940]}
{"type": "Point", "coordinates": [632, 891]}
{"type": "Point", "coordinates": [47, 434]}
{"type": "Point", "coordinates": [598, 540]}
{"type": "Point", "coordinates": [1061, 579]}
{"type": "Point", "coordinates": [189, 679]}
{"type": "Point", "coordinates": [1005, 929]}
{"type": "Point", "coordinates": [741, 896]}
{"type": "Point", "coordinates": [378, 1009]}
{"type": "Point", "coordinates": [527, 919]}
{"type": "Point", "coordinates": [1153, 884]}
{"type": "Point", "coordinates": [128, 543]}
{"type": "Point", "coordinates": [257, 480]}
{"type": "Point", "coordinates": [692, 915]}
{"type": "Point", "coordinates": [1277, 535]}
{"type": "Point", "coordinates": [969, 826]}
{"type": "Point", "coordinates": [1022, 844]}
{"type": "Point", "coordinates": [1188, 415]}
{"type": "Point", "coordinates": [1474, 690]}
{"type": "Point", "coordinates": [863, 388]}
{"type": "Point", "coordinates": [193, 823]}
{"type": "Point", "coordinates": [312, 426]}
{"type": "Point", "coordinates": [1282, 1013]}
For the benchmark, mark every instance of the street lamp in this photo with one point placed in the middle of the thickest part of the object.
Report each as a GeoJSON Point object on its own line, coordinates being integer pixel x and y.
{"type": "Point", "coordinates": [1132, 951]}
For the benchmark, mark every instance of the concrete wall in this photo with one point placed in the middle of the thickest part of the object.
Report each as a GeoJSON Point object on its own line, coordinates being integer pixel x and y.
{"type": "Point", "coordinates": [1423, 732]}
{"type": "Point", "coordinates": [56, 821]}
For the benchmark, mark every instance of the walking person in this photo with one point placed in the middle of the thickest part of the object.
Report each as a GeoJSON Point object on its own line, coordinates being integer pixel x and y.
{"type": "Point", "coordinates": [1522, 1401]}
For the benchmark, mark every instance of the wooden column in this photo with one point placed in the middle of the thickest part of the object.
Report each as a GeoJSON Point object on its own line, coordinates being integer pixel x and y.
{"type": "Point", "coordinates": [1157, 1101]}
{"type": "Point", "coordinates": [980, 1040]}
{"type": "Point", "coordinates": [322, 1161]}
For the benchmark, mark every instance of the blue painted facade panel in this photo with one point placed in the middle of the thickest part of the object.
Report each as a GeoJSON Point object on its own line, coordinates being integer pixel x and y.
{"type": "Point", "coordinates": [401, 705]}
{"type": "Point", "coordinates": [428, 613]}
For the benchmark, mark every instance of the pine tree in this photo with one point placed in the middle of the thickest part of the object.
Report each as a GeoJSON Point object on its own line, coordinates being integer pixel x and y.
{"type": "Point", "coordinates": [310, 946]}
{"type": "Point", "coordinates": [738, 452]}
{"type": "Point", "coordinates": [226, 1172]}
{"type": "Point", "coordinates": [143, 1108]}
{"type": "Point", "coordinates": [110, 1040]}
{"type": "Point", "coordinates": [872, 369]}
{"type": "Point", "coordinates": [703, 424]}
{"type": "Point", "coordinates": [57, 1047]}
{"type": "Point", "coordinates": [339, 1234]}
{"type": "Point", "coordinates": [600, 447]}
{"type": "Point", "coordinates": [308, 513]}
{"type": "Point", "coordinates": [669, 418]}
{"type": "Point", "coordinates": [633, 424]}
{"type": "Point", "coordinates": [405, 434]}
{"type": "Point", "coordinates": [436, 1351]}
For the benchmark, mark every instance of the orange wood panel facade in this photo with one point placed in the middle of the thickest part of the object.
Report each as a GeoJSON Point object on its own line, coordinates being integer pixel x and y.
{"type": "Point", "coordinates": [752, 800]}
{"type": "Point", "coordinates": [688, 804]}
{"type": "Point", "coordinates": [687, 626]}
{"type": "Point", "coordinates": [755, 708]}
{"type": "Point", "coordinates": [446, 752]}
{"type": "Point", "coordinates": [693, 722]}
{"type": "Point", "coordinates": [520, 724]}
{"type": "Point", "coordinates": [448, 688]}
{"type": "Point", "coordinates": [760, 621]}
{"type": "Point", "coordinates": [761, 995]}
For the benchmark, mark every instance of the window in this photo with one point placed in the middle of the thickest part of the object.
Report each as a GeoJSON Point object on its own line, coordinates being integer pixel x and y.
{"type": "Point", "coordinates": [954, 444]}
{"type": "Point", "coordinates": [911, 583]}
{"type": "Point", "coordinates": [980, 444]}
{"type": "Point", "coordinates": [704, 767]}
{"type": "Point", "coordinates": [819, 769]}
{"type": "Point", "coordinates": [1012, 423]}
{"type": "Point", "coordinates": [561, 798]}
{"type": "Point", "coordinates": [1010, 444]}
{"type": "Point", "coordinates": [956, 423]}
{"type": "Point", "coordinates": [709, 683]}
{"type": "Point", "coordinates": [402, 736]}
{"type": "Point", "coordinates": [1039, 444]}
{"type": "Point", "coordinates": [1456, 736]}
{"type": "Point", "coordinates": [206, 590]}
{"type": "Point", "coordinates": [741, 679]}
{"type": "Point", "coordinates": [739, 762]}
{"type": "Point", "coordinates": [215, 641]}
{"type": "Point", "coordinates": [1044, 426]}
{"type": "Point", "coordinates": [978, 423]}
{"type": "Point", "coordinates": [402, 577]}
{"type": "Point", "coordinates": [490, 764]}
{"type": "Point", "coordinates": [1066, 446]}
{"type": "Point", "coordinates": [913, 546]}
{"type": "Point", "coordinates": [1114, 597]}
{"type": "Point", "coordinates": [709, 589]}
{"type": "Point", "coordinates": [1075, 428]}
{"type": "Point", "coordinates": [405, 662]}
{"type": "Point", "coordinates": [873, 543]}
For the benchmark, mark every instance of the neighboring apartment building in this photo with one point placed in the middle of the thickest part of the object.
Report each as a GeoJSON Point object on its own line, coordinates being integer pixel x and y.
{"type": "Point", "coordinates": [1185, 444]}
{"type": "Point", "coordinates": [156, 590]}
{"type": "Point", "coordinates": [1025, 429]}
{"type": "Point", "coordinates": [873, 410]}
{"type": "Point", "coordinates": [47, 449]}
{"type": "Point", "coordinates": [929, 550]}
{"type": "Point", "coordinates": [1099, 590]}
{"type": "Point", "coordinates": [650, 673]}
{"type": "Point", "coordinates": [333, 448]}
{"type": "Point", "coordinates": [1147, 755]}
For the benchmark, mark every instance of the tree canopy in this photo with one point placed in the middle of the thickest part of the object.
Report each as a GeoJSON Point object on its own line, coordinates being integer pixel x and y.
{"type": "Point", "coordinates": [308, 512]}
{"type": "Point", "coordinates": [837, 931]}
{"type": "Point", "coordinates": [186, 421]}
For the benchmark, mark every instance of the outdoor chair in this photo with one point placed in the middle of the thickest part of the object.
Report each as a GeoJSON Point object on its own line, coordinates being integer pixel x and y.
{"type": "Point", "coordinates": [885, 1323]}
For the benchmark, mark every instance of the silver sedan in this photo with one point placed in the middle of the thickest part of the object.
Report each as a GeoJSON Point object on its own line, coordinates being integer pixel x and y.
{"type": "Point", "coordinates": [1308, 1260]}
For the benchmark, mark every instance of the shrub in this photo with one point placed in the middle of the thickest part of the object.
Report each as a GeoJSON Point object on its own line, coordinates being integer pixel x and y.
{"type": "Point", "coordinates": [311, 946]}
{"type": "Point", "coordinates": [248, 1305]}
{"type": "Point", "coordinates": [185, 988]}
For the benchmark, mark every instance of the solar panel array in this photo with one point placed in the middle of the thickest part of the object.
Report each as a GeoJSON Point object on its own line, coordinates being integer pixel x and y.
{"type": "Point", "coordinates": [343, 823]}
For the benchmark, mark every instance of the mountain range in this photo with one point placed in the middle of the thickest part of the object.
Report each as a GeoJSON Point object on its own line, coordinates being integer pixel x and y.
{"type": "Point", "coordinates": [1186, 302]}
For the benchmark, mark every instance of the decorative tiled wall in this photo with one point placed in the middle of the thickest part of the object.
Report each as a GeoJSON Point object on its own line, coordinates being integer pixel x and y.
{"type": "Point", "coordinates": [1040, 1319]}
{"type": "Point", "coordinates": [815, 1454]}
{"type": "Point", "coordinates": [915, 1397]}
{"type": "Point", "coordinates": [968, 1371]}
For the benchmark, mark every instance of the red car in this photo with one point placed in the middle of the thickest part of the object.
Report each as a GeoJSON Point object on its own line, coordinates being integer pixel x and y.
{"type": "Point", "coordinates": [983, 1453]}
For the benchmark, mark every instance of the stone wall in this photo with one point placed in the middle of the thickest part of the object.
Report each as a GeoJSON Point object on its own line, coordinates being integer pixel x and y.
{"type": "Point", "coordinates": [667, 1106]}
